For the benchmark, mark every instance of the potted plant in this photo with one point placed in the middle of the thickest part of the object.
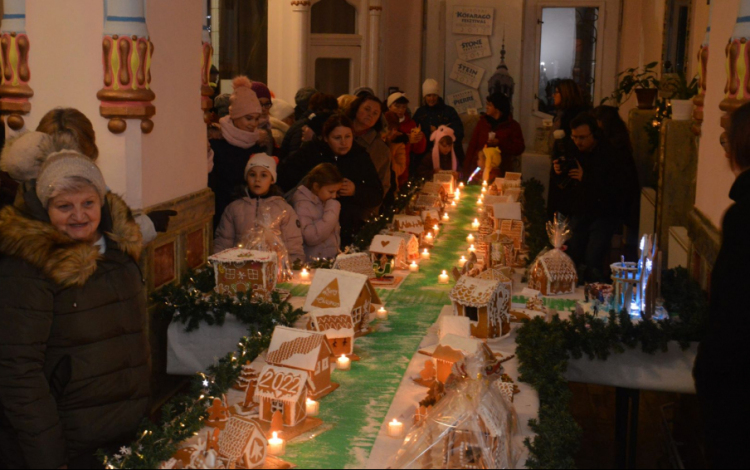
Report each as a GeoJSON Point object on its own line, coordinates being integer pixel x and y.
{"type": "Point", "coordinates": [682, 93]}
{"type": "Point", "coordinates": [644, 84]}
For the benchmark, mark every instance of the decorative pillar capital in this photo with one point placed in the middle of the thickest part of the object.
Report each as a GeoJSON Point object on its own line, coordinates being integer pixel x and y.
{"type": "Point", "coordinates": [737, 89]}
{"type": "Point", "coordinates": [376, 7]}
{"type": "Point", "coordinates": [127, 53]}
{"type": "Point", "coordinates": [301, 6]}
{"type": "Point", "coordinates": [14, 64]}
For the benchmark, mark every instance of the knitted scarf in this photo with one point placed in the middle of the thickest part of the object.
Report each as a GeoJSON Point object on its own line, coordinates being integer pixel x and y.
{"type": "Point", "coordinates": [237, 137]}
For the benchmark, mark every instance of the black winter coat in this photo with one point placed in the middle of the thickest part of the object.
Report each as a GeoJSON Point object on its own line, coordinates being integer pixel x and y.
{"type": "Point", "coordinates": [228, 173]}
{"type": "Point", "coordinates": [355, 166]}
{"type": "Point", "coordinates": [440, 115]}
{"type": "Point", "coordinates": [723, 360]}
{"type": "Point", "coordinates": [74, 350]}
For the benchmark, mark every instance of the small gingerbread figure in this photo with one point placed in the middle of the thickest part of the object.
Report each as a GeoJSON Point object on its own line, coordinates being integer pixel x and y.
{"type": "Point", "coordinates": [218, 414]}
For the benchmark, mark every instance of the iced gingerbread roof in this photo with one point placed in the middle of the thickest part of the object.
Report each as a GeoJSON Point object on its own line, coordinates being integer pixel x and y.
{"type": "Point", "coordinates": [558, 266]}
{"type": "Point", "coordinates": [407, 237]}
{"type": "Point", "coordinates": [387, 245]}
{"type": "Point", "coordinates": [454, 325]}
{"type": "Point", "coordinates": [507, 211]}
{"type": "Point", "coordinates": [500, 274]}
{"type": "Point", "coordinates": [240, 255]}
{"type": "Point", "coordinates": [359, 263]}
{"type": "Point", "coordinates": [433, 188]}
{"type": "Point", "coordinates": [409, 224]}
{"type": "Point", "coordinates": [295, 348]}
{"type": "Point", "coordinates": [241, 435]}
{"type": "Point", "coordinates": [332, 288]}
{"type": "Point", "coordinates": [473, 292]}
{"type": "Point", "coordinates": [425, 200]}
{"type": "Point", "coordinates": [444, 177]}
{"type": "Point", "coordinates": [490, 201]}
{"type": "Point", "coordinates": [454, 348]}
{"type": "Point", "coordinates": [292, 384]}
{"type": "Point", "coordinates": [334, 323]}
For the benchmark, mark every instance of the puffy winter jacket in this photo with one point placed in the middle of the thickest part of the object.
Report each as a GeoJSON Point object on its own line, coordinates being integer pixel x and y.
{"type": "Point", "coordinates": [441, 114]}
{"type": "Point", "coordinates": [74, 350]}
{"type": "Point", "coordinates": [241, 216]}
{"type": "Point", "coordinates": [320, 223]}
{"type": "Point", "coordinates": [511, 145]}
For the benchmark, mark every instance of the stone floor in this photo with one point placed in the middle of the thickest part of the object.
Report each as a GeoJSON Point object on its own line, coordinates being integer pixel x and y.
{"type": "Point", "coordinates": [593, 407]}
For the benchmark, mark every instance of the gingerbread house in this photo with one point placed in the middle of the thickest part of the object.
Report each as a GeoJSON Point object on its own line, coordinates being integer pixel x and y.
{"type": "Point", "coordinates": [338, 327]}
{"type": "Point", "coordinates": [412, 244]}
{"type": "Point", "coordinates": [553, 273]}
{"type": "Point", "coordinates": [413, 224]}
{"type": "Point", "coordinates": [284, 390]}
{"type": "Point", "coordinates": [358, 263]}
{"type": "Point", "coordinates": [431, 218]}
{"type": "Point", "coordinates": [350, 292]}
{"type": "Point", "coordinates": [501, 274]}
{"type": "Point", "coordinates": [389, 249]}
{"type": "Point", "coordinates": [453, 325]}
{"type": "Point", "coordinates": [455, 349]}
{"type": "Point", "coordinates": [490, 201]}
{"type": "Point", "coordinates": [429, 202]}
{"type": "Point", "coordinates": [306, 351]}
{"type": "Point", "coordinates": [486, 303]}
{"type": "Point", "coordinates": [509, 222]}
{"type": "Point", "coordinates": [435, 189]}
{"type": "Point", "coordinates": [512, 181]}
{"type": "Point", "coordinates": [503, 252]}
{"type": "Point", "coordinates": [448, 180]}
{"type": "Point", "coordinates": [506, 211]}
{"type": "Point", "coordinates": [238, 270]}
{"type": "Point", "coordinates": [242, 444]}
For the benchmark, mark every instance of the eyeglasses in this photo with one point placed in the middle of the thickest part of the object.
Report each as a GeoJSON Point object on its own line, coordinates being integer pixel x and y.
{"type": "Point", "coordinates": [580, 138]}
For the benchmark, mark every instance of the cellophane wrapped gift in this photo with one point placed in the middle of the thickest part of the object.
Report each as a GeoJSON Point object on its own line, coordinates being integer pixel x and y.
{"type": "Point", "coordinates": [266, 236]}
{"type": "Point", "coordinates": [553, 272]}
{"type": "Point", "coordinates": [472, 426]}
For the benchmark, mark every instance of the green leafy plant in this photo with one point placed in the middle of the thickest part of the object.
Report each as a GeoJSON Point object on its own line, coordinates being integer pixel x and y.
{"type": "Point", "coordinates": [630, 80]}
{"type": "Point", "coordinates": [679, 87]}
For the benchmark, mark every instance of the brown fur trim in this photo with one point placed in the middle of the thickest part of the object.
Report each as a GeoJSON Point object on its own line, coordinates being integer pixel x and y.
{"type": "Point", "coordinates": [64, 261]}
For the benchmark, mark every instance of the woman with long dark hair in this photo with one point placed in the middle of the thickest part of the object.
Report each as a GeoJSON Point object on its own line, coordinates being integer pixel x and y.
{"type": "Point", "coordinates": [365, 114]}
{"type": "Point", "coordinates": [724, 355]}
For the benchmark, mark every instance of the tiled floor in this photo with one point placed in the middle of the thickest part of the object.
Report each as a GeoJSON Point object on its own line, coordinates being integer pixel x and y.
{"type": "Point", "coordinates": [593, 407]}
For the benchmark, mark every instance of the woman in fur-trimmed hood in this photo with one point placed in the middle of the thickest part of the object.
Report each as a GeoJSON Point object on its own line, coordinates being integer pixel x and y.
{"type": "Point", "coordinates": [74, 351]}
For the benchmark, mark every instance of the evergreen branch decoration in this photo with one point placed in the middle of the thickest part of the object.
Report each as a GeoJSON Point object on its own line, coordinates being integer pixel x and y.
{"type": "Point", "coordinates": [544, 350]}
{"type": "Point", "coordinates": [535, 213]}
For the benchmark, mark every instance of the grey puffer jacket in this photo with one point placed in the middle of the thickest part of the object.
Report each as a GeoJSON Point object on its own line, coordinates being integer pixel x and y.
{"type": "Point", "coordinates": [74, 350]}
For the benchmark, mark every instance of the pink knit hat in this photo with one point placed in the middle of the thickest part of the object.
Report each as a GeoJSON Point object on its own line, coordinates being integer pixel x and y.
{"type": "Point", "coordinates": [244, 101]}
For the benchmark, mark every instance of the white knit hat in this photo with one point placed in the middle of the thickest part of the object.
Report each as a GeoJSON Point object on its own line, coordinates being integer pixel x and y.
{"type": "Point", "coordinates": [66, 164]}
{"type": "Point", "coordinates": [23, 156]}
{"type": "Point", "coordinates": [431, 87]}
{"type": "Point", "coordinates": [264, 161]}
{"type": "Point", "coordinates": [395, 97]}
{"type": "Point", "coordinates": [281, 109]}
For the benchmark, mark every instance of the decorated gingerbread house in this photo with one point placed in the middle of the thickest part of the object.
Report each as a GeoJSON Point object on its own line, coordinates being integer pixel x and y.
{"type": "Point", "coordinates": [509, 222]}
{"type": "Point", "coordinates": [447, 179]}
{"type": "Point", "coordinates": [486, 303]}
{"type": "Point", "coordinates": [506, 211]}
{"type": "Point", "coordinates": [435, 189]}
{"type": "Point", "coordinates": [242, 444]}
{"type": "Point", "coordinates": [554, 273]}
{"type": "Point", "coordinates": [413, 224]}
{"type": "Point", "coordinates": [284, 390]}
{"type": "Point", "coordinates": [503, 251]}
{"type": "Point", "coordinates": [431, 218]}
{"type": "Point", "coordinates": [338, 327]}
{"type": "Point", "coordinates": [389, 249]}
{"type": "Point", "coordinates": [350, 292]}
{"type": "Point", "coordinates": [429, 202]}
{"type": "Point", "coordinates": [490, 201]}
{"type": "Point", "coordinates": [500, 274]}
{"type": "Point", "coordinates": [358, 263]}
{"type": "Point", "coordinates": [455, 349]}
{"type": "Point", "coordinates": [512, 181]}
{"type": "Point", "coordinates": [238, 270]}
{"type": "Point", "coordinates": [307, 351]}
{"type": "Point", "coordinates": [412, 244]}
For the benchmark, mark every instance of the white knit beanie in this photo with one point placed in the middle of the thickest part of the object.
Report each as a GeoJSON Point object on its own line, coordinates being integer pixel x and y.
{"type": "Point", "coordinates": [263, 161]}
{"type": "Point", "coordinates": [281, 109]}
{"type": "Point", "coordinates": [22, 157]}
{"type": "Point", "coordinates": [66, 164]}
{"type": "Point", "coordinates": [395, 97]}
{"type": "Point", "coordinates": [431, 87]}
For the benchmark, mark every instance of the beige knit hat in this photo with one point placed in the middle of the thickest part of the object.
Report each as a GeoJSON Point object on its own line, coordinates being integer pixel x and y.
{"type": "Point", "coordinates": [264, 161]}
{"type": "Point", "coordinates": [66, 164]}
{"type": "Point", "coordinates": [431, 87]}
{"type": "Point", "coordinates": [243, 101]}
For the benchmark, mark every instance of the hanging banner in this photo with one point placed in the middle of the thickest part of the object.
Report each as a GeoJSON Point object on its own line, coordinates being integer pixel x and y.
{"type": "Point", "coordinates": [465, 100]}
{"type": "Point", "coordinates": [473, 48]}
{"type": "Point", "coordinates": [473, 20]}
{"type": "Point", "coordinates": [467, 74]}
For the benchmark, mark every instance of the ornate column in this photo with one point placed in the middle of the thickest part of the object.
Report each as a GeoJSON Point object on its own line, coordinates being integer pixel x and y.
{"type": "Point", "coordinates": [699, 100]}
{"type": "Point", "coordinates": [300, 35]}
{"type": "Point", "coordinates": [738, 65]}
{"type": "Point", "coordinates": [373, 47]}
{"type": "Point", "coordinates": [14, 64]}
{"type": "Point", "coordinates": [207, 53]}
{"type": "Point", "coordinates": [127, 52]}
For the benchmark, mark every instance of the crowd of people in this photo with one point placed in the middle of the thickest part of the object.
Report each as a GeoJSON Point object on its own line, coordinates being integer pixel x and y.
{"type": "Point", "coordinates": [74, 350]}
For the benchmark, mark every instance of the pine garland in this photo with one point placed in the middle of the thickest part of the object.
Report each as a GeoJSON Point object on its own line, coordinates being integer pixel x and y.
{"type": "Point", "coordinates": [545, 348]}
{"type": "Point", "coordinates": [535, 213]}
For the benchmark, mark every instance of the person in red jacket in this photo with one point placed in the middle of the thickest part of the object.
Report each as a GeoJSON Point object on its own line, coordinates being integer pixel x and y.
{"type": "Point", "coordinates": [496, 128]}
{"type": "Point", "coordinates": [398, 103]}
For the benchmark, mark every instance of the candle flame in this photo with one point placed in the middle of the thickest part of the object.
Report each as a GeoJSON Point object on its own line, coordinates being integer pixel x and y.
{"type": "Point", "coordinates": [275, 436]}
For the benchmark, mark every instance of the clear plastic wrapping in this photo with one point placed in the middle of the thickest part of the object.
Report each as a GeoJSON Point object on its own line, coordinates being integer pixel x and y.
{"type": "Point", "coordinates": [266, 236]}
{"type": "Point", "coordinates": [471, 427]}
{"type": "Point", "coordinates": [553, 272]}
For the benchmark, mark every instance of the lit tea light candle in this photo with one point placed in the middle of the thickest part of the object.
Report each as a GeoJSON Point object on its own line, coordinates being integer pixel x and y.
{"type": "Point", "coordinates": [396, 429]}
{"type": "Point", "coordinates": [426, 254]}
{"type": "Point", "coordinates": [436, 229]}
{"type": "Point", "coordinates": [446, 217]}
{"type": "Point", "coordinates": [313, 408]}
{"type": "Point", "coordinates": [485, 184]}
{"type": "Point", "coordinates": [470, 238]}
{"type": "Point", "coordinates": [480, 202]}
{"type": "Point", "coordinates": [443, 278]}
{"type": "Point", "coordinates": [461, 185]}
{"type": "Point", "coordinates": [462, 262]}
{"type": "Point", "coordinates": [305, 275]}
{"type": "Point", "coordinates": [475, 225]}
{"type": "Point", "coordinates": [429, 237]}
{"type": "Point", "coordinates": [344, 363]}
{"type": "Point", "coordinates": [472, 249]}
{"type": "Point", "coordinates": [414, 267]}
{"type": "Point", "coordinates": [276, 446]}
{"type": "Point", "coordinates": [453, 204]}
{"type": "Point", "coordinates": [382, 314]}
{"type": "Point", "coordinates": [484, 190]}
